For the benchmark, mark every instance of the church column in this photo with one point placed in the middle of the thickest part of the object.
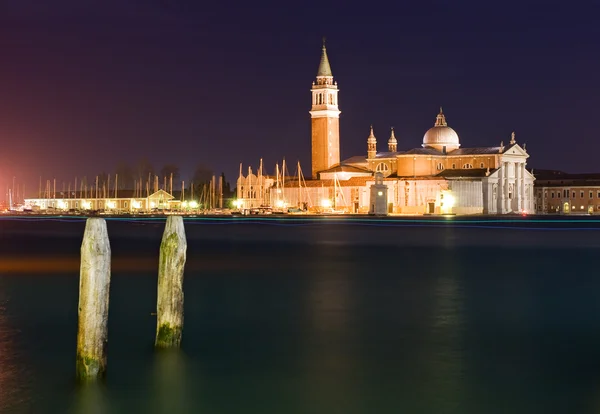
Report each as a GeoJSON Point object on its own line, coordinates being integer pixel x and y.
{"type": "Point", "coordinates": [518, 187]}
{"type": "Point", "coordinates": [506, 184]}
{"type": "Point", "coordinates": [500, 194]}
{"type": "Point", "coordinates": [524, 203]}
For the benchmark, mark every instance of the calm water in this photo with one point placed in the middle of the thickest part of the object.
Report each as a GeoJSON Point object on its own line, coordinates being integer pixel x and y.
{"type": "Point", "coordinates": [366, 317]}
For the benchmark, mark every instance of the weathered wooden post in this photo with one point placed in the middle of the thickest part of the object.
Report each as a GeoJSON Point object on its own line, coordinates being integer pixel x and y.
{"type": "Point", "coordinates": [169, 312]}
{"type": "Point", "coordinates": [94, 284]}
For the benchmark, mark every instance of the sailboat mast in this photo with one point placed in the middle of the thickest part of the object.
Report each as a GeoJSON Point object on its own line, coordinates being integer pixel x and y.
{"type": "Point", "coordinates": [277, 184]}
{"type": "Point", "coordinates": [283, 179]}
{"type": "Point", "coordinates": [299, 185]}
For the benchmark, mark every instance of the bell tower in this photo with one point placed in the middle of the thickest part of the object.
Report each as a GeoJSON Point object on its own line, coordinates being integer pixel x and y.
{"type": "Point", "coordinates": [325, 117]}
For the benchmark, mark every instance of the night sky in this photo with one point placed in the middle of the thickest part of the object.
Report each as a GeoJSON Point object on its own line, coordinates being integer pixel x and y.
{"type": "Point", "coordinates": [86, 84]}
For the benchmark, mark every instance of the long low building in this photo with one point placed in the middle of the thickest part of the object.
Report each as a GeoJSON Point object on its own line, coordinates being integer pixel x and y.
{"type": "Point", "coordinates": [557, 192]}
{"type": "Point", "coordinates": [124, 202]}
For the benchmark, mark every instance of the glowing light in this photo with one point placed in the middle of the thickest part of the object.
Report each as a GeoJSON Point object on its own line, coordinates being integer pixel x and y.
{"type": "Point", "coordinates": [193, 204]}
{"type": "Point", "coordinates": [326, 202]}
{"type": "Point", "coordinates": [238, 203]}
{"type": "Point", "coordinates": [86, 204]}
{"type": "Point", "coordinates": [152, 204]}
{"type": "Point", "coordinates": [380, 193]}
{"type": "Point", "coordinates": [184, 204]}
{"type": "Point", "coordinates": [111, 204]}
{"type": "Point", "coordinates": [136, 204]}
{"type": "Point", "coordinates": [447, 202]}
{"type": "Point", "coordinates": [61, 204]}
{"type": "Point", "coordinates": [280, 203]}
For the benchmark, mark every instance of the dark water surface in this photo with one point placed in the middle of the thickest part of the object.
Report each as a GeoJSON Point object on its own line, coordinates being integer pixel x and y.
{"type": "Point", "coordinates": [315, 318]}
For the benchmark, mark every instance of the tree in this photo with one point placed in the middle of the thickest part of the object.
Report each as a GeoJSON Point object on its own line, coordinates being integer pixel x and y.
{"type": "Point", "coordinates": [102, 179]}
{"type": "Point", "coordinates": [125, 176]}
{"type": "Point", "coordinates": [145, 169]}
{"type": "Point", "coordinates": [202, 175]}
{"type": "Point", "coordinates": [169, 169]}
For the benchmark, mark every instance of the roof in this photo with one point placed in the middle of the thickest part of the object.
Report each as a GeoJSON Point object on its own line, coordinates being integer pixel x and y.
{"type": "Point", "coordinates": [345, 168]}
{"type": "Point", "coordinates": [387, 154]}
{"type": "Point", "coordinates": [324, 67]}
{"type": "Point", "coordinates": [555, 178]}
{"type": "Point", "coordinates": [464, 173]}
{"type": "Point", "coordinates": [476, 151]}
{"type": "Point", "coordinates": [421, 151]}
{"type": "Point", "coordinates": [457, 152]}
{"type": "Point", "coordinates": [357, 159]}
{"type": "Point", "coordinates": [560, 175]}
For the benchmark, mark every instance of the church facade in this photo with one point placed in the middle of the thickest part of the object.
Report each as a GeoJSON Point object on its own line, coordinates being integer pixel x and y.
{"type": "Point", "coordinates": [439, 177]}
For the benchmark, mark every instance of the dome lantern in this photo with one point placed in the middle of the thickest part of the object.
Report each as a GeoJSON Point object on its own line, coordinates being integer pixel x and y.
{"type": "Point", "coordinates": [441, 137]}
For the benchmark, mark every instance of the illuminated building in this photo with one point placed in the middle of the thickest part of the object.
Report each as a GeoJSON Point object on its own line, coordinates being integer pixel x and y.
{"type": "Point", "coordinates": [439, 177]}
{"type": "Point", "coordinates": [558, 192]}
{"type": "Point", "coordinates": [122, 202]}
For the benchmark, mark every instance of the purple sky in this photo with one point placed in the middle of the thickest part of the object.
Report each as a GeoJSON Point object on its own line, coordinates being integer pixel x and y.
{"type": "Point", "coordinates": [86, 84]}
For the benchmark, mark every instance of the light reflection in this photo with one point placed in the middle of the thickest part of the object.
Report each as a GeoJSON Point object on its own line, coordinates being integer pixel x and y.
{"type": "Point", "coordinates": [445, 346]}
{"type": "Point", "coordinates": [10, 397]}
{"type": "Point", "coordinates": [91, 398]}
{"type": "Point", "coordinates": [330, 338]}
{"type": "Point", "coordinates": [168, 394]}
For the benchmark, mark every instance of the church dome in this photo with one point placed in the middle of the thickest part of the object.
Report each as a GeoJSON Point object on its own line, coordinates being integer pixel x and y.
{"type": "Point", "coordinates": [441, 135]}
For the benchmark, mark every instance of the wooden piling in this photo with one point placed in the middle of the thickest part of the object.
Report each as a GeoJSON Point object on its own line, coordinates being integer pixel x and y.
{"type": "Point", "coordinates": [94, 284]}
{"type": "Point", "coordinates": [169, 313]}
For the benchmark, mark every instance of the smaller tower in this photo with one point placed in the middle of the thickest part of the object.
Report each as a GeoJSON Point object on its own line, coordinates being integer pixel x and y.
{"type": "Point", "coordinates": [371, 145]}
{"type": "Point", "coordinates": [392, 142]}
{"type": "Point", "coordinates": [440, 119]}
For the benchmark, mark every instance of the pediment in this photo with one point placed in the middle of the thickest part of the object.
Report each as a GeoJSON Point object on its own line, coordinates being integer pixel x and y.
{"type": "Point", "coordinates": [516, 150]}
{"type": "Point", "coordinates": [161, 194]}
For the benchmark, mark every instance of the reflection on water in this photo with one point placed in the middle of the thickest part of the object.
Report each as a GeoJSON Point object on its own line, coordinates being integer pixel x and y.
{"type": "Point", "coordinates": [11, 388]}
{"type": "Point", "coordinates": [168, 390]}
{"type": "Point", "coordinates": [309, 328]}
{"type": "Point", "coordinates": [91, 398]}
{"type": "Point", "coordinates": [330, 361]}
{"type": "Point", "coordinates": [445, 353]}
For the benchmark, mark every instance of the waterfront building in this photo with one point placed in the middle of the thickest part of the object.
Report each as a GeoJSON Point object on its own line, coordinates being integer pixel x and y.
{"type": "Point", "coordinates": [125, 201]}
{"type": "Point", "coordinates": [558, 192]}
{"type": "Point", "coordinates": [439, 177]}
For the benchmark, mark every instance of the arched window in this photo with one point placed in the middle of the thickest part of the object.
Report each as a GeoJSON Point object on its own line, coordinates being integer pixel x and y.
{"type": "Point", "coordinates": [440, 166]}
{"type": "Point", "coordinates": [481, 165]}
{"type": "Point", "coordinates": [383, 168]}
{"type": "Point", "coordinates": [466, 166]}
{"type": "Point", "coordinates": [453, 166]}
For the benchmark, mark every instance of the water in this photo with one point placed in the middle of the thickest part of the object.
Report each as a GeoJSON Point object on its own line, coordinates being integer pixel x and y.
{"type": "Point", "coordinates": [324, 317]}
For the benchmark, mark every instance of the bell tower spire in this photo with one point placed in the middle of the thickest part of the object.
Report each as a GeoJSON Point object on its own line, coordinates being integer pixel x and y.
{"type": "Point", "coordinates": [371, 145]}
{"type": "Point", "coordinates": [392, 142]}
{"type": "Point", "coordinates": [325, 118]}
